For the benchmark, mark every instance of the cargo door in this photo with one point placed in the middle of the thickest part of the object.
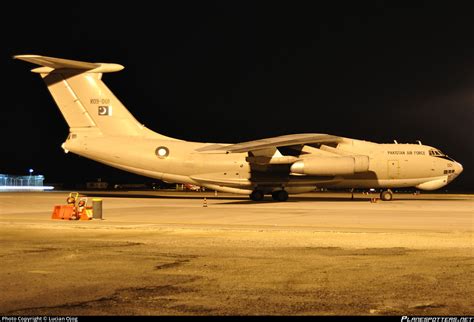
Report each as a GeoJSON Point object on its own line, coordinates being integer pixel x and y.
{"type": "Point", "coordinates": [393, 169]}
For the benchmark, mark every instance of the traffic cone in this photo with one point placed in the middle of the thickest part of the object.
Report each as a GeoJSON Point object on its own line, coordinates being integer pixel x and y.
{"type": "Point", "coordinates": [205, 202]}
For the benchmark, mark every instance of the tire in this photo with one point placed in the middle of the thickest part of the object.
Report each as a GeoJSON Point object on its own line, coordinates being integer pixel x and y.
{"type": "Point", "coordinates": [275, 195]}
{"type": "Point", "coordinates": [386, 195]}
{"type": "Point", "coordinates": [256, 195]}
{"type": "Point", "coordinates": [280, 195]}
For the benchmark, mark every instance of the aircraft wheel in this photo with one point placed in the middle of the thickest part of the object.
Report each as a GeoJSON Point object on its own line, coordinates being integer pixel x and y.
{"type": "Point", "coordinates": [386, 195]}
{"type": "Point", "coordinates": [280, 195]}
{"type": "Point", "coordinates": [256, 195]}
{"type": "Point", "coordinates": [275, 195]}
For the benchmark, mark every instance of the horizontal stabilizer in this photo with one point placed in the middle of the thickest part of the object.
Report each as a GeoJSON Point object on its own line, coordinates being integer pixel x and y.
{"type": "Point", "coordinates": [53, 63]}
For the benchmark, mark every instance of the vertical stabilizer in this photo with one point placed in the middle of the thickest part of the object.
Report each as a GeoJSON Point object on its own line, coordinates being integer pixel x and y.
{"type": "Point", "coordinates": [83, 98]}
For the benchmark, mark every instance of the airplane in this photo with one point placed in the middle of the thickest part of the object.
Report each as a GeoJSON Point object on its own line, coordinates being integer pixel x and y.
{"type": "Point", "coordinates": [102, 129]}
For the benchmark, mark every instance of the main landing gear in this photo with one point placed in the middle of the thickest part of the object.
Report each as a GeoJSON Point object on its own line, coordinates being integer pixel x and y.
{"type": "Point", "coordinates": [257, 195]}
{"type": "Point", "coordinates": [386, 195]}
{"type": "Point", "coordinates": [278, 195]}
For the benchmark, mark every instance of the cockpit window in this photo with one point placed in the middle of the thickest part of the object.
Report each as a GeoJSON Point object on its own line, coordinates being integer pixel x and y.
{"type": "Point", "coordinates": [436, 153]}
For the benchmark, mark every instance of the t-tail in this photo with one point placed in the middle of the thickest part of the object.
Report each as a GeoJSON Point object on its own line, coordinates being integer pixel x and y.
{"type": "Point", "coordinates": [83, 98]}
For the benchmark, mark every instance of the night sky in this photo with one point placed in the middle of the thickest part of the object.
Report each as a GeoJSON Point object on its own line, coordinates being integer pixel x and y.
{"type": "Point", "coordinates": [234, 71]}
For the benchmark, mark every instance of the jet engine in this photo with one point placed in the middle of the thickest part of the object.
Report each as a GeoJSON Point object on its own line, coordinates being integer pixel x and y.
{"type": "Point", "coordinates": [331, 166]}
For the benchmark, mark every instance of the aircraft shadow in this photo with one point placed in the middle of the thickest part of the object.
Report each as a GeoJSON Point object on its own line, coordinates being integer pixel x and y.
{"type": "Point", "coordinates": [235, 199]}
{"type": "Point", "coordinates": [296, 199]}
{"type": "Point", "coordinates": [153, 196]}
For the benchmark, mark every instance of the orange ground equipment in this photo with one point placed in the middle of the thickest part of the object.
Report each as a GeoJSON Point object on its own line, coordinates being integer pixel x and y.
{"type": "Point", "coordinates": [75, 209]}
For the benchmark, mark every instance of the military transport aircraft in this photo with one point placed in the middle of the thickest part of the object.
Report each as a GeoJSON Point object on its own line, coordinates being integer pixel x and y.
{"type": "Point", "coordinates": [102, 129]}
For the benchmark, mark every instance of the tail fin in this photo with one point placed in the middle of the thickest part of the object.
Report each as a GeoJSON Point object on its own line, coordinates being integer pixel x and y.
{"type": "Point", "coordinates": [83, 99]}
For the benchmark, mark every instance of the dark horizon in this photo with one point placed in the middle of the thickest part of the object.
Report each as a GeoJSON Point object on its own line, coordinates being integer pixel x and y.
{"type": "Point", "coordinates": [224, 73]}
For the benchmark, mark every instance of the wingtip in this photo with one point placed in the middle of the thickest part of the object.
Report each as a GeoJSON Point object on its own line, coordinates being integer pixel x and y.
{"type": "Point", "coordinates": [24, 56]}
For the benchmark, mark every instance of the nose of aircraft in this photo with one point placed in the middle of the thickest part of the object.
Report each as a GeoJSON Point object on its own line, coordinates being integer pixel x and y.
{"type": "Point", "coordinates": [458, 168]}
{"type": "Point", "coordinates": [457, 171]}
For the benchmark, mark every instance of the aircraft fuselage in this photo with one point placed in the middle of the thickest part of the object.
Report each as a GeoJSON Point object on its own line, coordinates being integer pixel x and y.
{"type": "Point", "coordinates": [390, 165]}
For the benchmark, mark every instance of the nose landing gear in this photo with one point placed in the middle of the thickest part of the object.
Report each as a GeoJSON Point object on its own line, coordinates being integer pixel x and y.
{"type": "Point", "coordinates": [386, 195]}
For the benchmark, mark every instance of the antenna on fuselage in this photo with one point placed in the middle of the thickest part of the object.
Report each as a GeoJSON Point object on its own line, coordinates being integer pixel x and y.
{"type": "Point", "coordinates": [395, 141]}
{"type": "Point", "coordinates": [419, 142]}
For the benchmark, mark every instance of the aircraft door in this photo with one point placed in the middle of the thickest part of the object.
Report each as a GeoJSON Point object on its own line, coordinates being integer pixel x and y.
{"type": "Point", "coordinates": [393, 169]}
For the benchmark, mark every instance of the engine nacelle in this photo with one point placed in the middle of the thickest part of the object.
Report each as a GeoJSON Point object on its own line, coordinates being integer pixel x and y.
{"type": "Point", "coordinates": [331, 166]}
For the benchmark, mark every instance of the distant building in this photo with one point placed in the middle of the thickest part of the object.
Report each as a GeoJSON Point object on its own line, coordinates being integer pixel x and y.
{"type": "Point", "coordinates": [137, 186]}
{"type": "Point", "coordinates": [30, 182]}
{"type": "Point", "coordinates": [99, 184]}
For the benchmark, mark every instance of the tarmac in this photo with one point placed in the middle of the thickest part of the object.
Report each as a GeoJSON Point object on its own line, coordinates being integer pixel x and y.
{"type": "Point", "coordinates": [164, 253]}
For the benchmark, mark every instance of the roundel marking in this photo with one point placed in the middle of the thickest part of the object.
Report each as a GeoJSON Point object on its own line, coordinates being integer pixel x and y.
{"type": "Point", "coordinates": [162, 152]}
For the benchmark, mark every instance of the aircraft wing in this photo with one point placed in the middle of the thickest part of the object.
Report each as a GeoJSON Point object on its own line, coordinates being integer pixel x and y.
{"type": "Point", "coordinates": [279, 141]}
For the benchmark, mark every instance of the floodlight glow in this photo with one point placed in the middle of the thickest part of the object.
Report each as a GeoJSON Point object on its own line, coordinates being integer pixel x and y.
{"type": "Point", "coordinates": [12, 188]}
